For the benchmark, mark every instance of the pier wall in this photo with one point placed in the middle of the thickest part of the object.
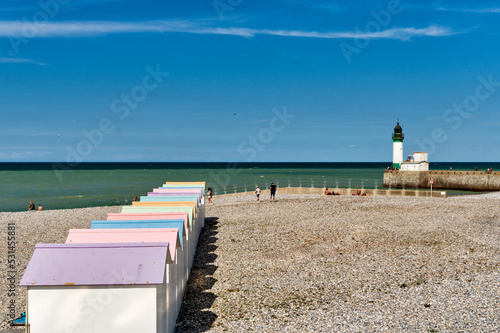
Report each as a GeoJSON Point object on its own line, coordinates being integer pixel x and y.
{"type": "Point", "coordinates": [264, 194]}
{"type": "Point", "coordinates": [456, 180]}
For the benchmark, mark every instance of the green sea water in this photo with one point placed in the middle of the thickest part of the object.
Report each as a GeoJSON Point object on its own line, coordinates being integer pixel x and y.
{"type": "Point", "coordinates": [57, 186]}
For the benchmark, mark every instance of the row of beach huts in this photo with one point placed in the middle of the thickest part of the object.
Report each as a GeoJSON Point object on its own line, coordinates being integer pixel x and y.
{"type": "Point", "coordinates": [125, 274]}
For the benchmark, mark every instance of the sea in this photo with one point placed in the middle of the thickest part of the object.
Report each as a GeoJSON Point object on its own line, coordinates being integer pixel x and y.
{"type": "Point", "coordinates": [63, 185]}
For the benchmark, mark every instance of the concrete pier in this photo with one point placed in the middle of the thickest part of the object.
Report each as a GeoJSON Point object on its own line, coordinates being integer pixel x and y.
{"type": "Point", "coordinates": [442, 179]}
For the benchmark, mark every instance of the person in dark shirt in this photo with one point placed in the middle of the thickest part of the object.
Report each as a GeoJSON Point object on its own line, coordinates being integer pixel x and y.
{"type": "Point", "coordinates": [273, 191]}
{"type": "Point", "coordinates": [31, 206]}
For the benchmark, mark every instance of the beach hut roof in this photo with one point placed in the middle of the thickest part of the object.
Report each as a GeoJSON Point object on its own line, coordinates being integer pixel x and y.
{"type": "Point", "coordinates": [96, 264]}
{"type": "Point", "coordinates": [170, 236]}
{"type": "Point", "coordinates": [151, 216]}
{"type": "Point", "coordinates": [140, 224]}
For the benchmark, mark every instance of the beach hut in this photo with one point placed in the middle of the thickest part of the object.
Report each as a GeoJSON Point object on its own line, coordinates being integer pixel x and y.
{"type": "Point", "coordinates": [197, 189]}
{"type": "Point", "coordinates": [194, 229]}
{"type": "Point", "coordinates": [98, 288]}
{"type": "Point", "coordinates": [189, 189]}
{"type": "Point", "coordinates": [194, 189]}
{"type": "Point", "coordinates": [174, 198]}
{"type": "Point", "coordinates": [174, 192]}
{"type": "Point", "coordinates": [166, 203]}
{"type": "Point", "coordinates": [152, 216]}
{"type": "Point", "coordinates": [184, 256]}
{"type": "Point", "coordinates": [170, 236]}
{"type": "Point", "coordinates": [200, 188]}
{"type": "Point", "coordinates": [192, 234]}
{"type": "Point", "coordinates": [193, 218]}
{"type": "Point", "coordinates": [183, 190]}
{"type": "Point", "coordinates": [138, 215]}
{"type": "Point", "coordinates": [165, 209]}
{"type": "Point", "coordinates": [157, 200]}
{"type": "Point", "coordinates": [185, 184]}
{"type": "Point", "coordinates": [160, 216]}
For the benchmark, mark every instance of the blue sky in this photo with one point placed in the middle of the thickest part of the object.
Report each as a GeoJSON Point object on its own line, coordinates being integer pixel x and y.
{"type": "Point", "coordinates": [249, 81]}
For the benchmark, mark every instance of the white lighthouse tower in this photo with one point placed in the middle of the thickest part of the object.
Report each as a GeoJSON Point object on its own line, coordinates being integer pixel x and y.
{"type": "Point", "coordinates": [397, 147]}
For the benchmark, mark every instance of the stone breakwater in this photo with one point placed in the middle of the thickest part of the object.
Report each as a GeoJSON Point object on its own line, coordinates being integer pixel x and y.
{"type": "Point", "coordinates": [456, 180]}
{"type": "Point", "coordinates": [320, 263]}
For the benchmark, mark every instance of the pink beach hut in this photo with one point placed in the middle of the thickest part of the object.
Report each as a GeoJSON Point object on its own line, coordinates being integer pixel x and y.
{"type": "Point", "coordinates": [170, 199]}
{"type": "Point", "coordinates": [193, 231]}
{"type": "Point", "coordinates": [188, 249]}
{"type": "Point", "coordinates": [175, 273]}
{"type": "Point", "coordinates": [175, 192]}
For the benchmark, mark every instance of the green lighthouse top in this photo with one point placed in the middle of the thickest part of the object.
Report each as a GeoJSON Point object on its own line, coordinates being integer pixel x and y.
{"type": "Point", "coordinates": [398, 134]}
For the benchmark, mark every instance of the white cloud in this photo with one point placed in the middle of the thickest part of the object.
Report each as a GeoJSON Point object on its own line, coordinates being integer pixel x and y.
{"type": "Point", "coordinates": [470, 10]}
{"type": "Point", "coordinates": [5, 60]}
{"type": "Point", "coordinates": [394, 33]}
{"type": "Point", "coordinates": [18, 29]}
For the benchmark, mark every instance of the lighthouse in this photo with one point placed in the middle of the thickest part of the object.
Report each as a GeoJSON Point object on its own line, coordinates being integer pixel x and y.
{"type": "Point", "coordinates": [397, 147]}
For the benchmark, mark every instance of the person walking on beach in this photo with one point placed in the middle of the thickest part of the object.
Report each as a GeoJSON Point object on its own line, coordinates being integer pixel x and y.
{"type": "Point", "coordinates": [257, 192]}
{"type": "Point", "coordinates": [31, 206]}
{"type": "Point", "coordinates": [273, 191]}
{"type": "Point", "coordinates": [209, 195]}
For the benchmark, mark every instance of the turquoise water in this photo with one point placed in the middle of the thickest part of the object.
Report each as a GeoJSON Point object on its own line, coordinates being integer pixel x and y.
{"type": "Point", "coordinates": [57, 186]}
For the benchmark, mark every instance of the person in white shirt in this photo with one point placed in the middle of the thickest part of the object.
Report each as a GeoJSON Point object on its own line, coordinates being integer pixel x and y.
{"type": "Point", "coordinates": [257, 192]}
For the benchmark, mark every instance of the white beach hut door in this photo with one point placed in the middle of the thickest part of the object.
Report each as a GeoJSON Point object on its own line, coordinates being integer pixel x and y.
{"type": "Point", "coordinates": [92, 310]}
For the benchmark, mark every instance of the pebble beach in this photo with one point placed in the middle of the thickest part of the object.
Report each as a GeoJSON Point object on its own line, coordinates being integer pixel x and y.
{"type": "Point", "coordinates": [314, 263]}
